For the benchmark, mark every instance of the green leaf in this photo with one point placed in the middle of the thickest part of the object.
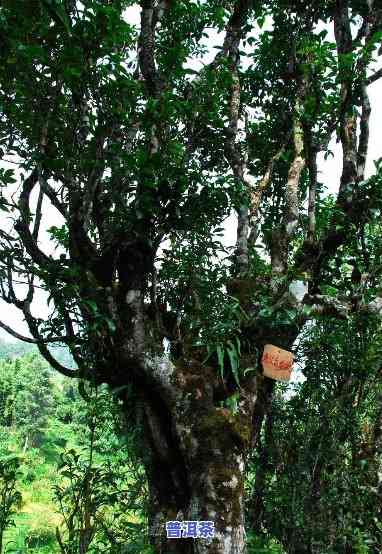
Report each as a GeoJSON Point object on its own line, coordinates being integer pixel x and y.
{"type": "Point", "coordinates": [248, 370]}
{"type": "Point", "coordinates": [220, 353]}
{"type": "Point", "coordinates": [57, 12]}
{"type": "Point", "coordinates": [234, 361]}
{"type": "Point", "coordinates": [111, 325]}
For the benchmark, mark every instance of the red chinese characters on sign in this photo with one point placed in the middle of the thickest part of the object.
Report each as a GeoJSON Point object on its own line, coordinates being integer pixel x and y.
{"type": "Point", "coordinates": [277, 363]}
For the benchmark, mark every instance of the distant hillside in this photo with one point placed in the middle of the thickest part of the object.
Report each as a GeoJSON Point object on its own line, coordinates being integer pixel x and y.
{"type": "Point", "coordinates": [17, 349]}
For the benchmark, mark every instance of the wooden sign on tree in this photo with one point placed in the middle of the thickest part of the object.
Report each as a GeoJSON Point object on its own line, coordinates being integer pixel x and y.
{"type": "Point", "coordinates": [277, 363]}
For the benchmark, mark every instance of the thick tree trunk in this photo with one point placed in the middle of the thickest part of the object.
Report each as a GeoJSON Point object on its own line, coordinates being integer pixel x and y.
{"type": "Point", "coordinates": [216, 476]}
{"type": "Point", "coordinates": [212, 491]}
{"type": "Point", "coordinates": [195, 468]}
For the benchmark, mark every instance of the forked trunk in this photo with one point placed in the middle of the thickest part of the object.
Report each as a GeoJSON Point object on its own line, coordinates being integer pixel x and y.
{"type": "Point", "coordinates": [214, 493]}
{"type": "Point", "coordinates": [195, 469]}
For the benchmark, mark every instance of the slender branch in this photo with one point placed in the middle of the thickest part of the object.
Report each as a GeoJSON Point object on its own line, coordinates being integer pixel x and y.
{"type": "Point", "coordinates": [237, 160]}
{"type": "Point", "coordinates": [294, 176]}
{"type": "Point", "coordinates": [348, 122]}
{"type": "Point", "coordinates": [22, 226]}
{"type": "Point", "coordinates": [30, 294]}
{"type": "Point", "coordinates": [374, 77]}
{"type": "Point", "coordinates": [371, 23]}
{"type": "Point", "coordinates": [41, 345]}
{"type": "Point", "coordinates": [51, 194]}
{"type": "Point", "coordinates": [342, 29]}
{"type": "Point", "coordinates": [354, 159]}
{"type": "Point", "coordinates": [8, 238]}
{"type": "Point", "coordinates": [11, 292]}
{"type": "Point", "coordinates": [80, 244]}
{"type": "Point", "coordinates": [281, 235]}
{"type": "Point", "coordinates": [257, 194]}
{"type": "Point", "coordinates": [239, 168]}
{"type": "Point", "coordinates": [364, 134]}
{"type": "Point", "coordinates": [92, 183]}
{"type": "Point", "coordinates": [239, 13]}
{"type": "Point", "coordinates": [241, 252]}
{"type": "Point", "coordinates": [23, 338]}
{"type": "Point", "coordinates": [146, 52]}
{"type": "Point", "coordinates": [312, 195]}
{"type": "Point", "coordinates": [38, 215]}
{"type": "Point", "coordinates": [16, 335]}
{"type": "Point", "coordinates": [81, 247]}
{"type": "Point", "coordinates": [327, 305]}
{"type": "Point", "coordinates": [234, 30]}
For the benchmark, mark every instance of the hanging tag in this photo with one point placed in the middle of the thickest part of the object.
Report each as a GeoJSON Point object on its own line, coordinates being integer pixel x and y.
{"type": "Point", "coordinates": [277, 363]}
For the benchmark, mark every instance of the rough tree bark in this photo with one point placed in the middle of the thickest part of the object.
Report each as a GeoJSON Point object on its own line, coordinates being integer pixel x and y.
{"type": "Point", "coordinates": [112, 154]}
{"type": "Point", "coordinates": [194, 457]}
{"type": "Point", "coordinates": [195, 451]}
{"type": "Point", "coordinates": [199, 477]}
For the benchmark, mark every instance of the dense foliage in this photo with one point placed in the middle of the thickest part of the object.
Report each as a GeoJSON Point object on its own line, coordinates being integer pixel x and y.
{"type": "Point", "coordinates": [125, 148]}
{"type": "Point", "coordinates": [77, 473]}
{"type": "Point", "coordinates": [313, 479]}
{"type": "Point", "coordinates": [317, 478]}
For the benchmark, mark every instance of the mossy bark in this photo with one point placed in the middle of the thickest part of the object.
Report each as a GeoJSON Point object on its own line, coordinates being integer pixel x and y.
{"type": "Point", "coordinates": [195, 469]}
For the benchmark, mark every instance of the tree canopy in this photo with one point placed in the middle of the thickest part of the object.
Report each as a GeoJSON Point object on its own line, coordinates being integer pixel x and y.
{"type": "Point", "coordinates": [142, 142]}
{"type": "Point", "coordinates": [113, 128]}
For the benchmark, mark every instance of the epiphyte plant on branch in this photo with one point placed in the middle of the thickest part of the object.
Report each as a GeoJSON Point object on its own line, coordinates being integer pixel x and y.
{"type": "Point", "coordinates": [114, 131]}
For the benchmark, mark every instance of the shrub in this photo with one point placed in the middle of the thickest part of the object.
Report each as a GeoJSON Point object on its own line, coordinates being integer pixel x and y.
{"type": "Point", "coordinates": [41, 536]}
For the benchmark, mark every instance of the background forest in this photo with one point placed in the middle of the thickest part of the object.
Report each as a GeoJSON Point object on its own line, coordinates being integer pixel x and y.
{"type": "Point", "coordinates": [65, 479]}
